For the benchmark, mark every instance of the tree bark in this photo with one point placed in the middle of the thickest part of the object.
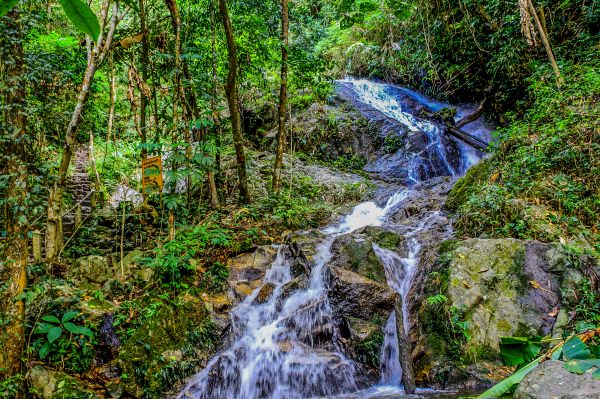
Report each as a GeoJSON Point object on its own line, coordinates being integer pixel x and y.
{"type": "Point", "coordinates": [13, 267]}
{"type": "Point", "coordinates": [54, 234]}
{"type": "Point", "coordinates": [282, 97]}
{"type": "Point", "coordinates": [232, 101]}
{"type": "Point", "coordinates": [408, 377]}
{"type": "Point", "coordinates": [546, 41]}
{"type": "Point", "coordinates": [144, 70]}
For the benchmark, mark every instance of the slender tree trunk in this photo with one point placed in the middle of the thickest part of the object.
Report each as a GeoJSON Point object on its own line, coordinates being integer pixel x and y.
{"type": "Point", "coordinates": [54, 234]}
{"type": "Point", "coordinates": [13, 266]}
{"type": "Point", "coordinates": [408, 377]}
{"type": "Point", "coordinates": [112, 100]}
{"type": "Point", "coordinates": [215, 93]}
{"type": "Point", "coordinates": [282, 97]}
{"type": "Point", "coordinates": [232, 100]}
{"type": "Point", "coordinates": [144, 70]}
{"type": "Point", "coordinates": [546, 41]}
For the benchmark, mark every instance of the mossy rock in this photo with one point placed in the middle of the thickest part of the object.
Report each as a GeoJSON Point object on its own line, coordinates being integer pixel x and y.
{"type": "Point", "coordinates": [469, 183]}
{"type": "Point", "coordinates": [49, 384]}
{"type": "Point", "coordinates": [169, 347]}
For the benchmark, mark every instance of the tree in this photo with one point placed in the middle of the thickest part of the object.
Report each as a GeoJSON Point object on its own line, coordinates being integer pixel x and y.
{"type": "Point", "coordinates": [99, 51]}
{"type": "Point", "coordinates": [232, 101]}
{"type": "Point", "coordinates": [13, 270]}
{"type": "Point", "coordinates": [282, 96]}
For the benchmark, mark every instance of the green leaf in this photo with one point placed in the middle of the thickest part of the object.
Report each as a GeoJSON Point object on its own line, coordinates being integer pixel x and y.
{"type": "Point", "coordinates": [72, 328]}
{"type": "Point", "coordinates": [44, 350]}
{"type": "Point", "coordinates": [54, 334]}
{"type": "Point", "coordinates": [576, 349]}
{"type": "Point", "coordinates": [82, 16]}
{"type": "Point", "coordinates": [51, 319]}
{"type": "Point", "coordinates": [504, 386]}
{"type": "Point", "coordinates": [596, 374]}
{"type": "Point", "coordinates": [43, 328]}
{"type": "Point", "coordinates": [6, 6]}
{"type": "Point", "coordinates": [69, 315]}
{"type": "Point", "coordinates": [577, 366]}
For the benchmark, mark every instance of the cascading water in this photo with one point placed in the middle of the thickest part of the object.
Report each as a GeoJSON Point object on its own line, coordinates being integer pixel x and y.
{"type": "Point", "coordinates": [273, 354]}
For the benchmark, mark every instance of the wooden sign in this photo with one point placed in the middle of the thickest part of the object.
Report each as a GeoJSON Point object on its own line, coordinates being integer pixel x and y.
{"type": "Point", "coordinates": [152, 174]}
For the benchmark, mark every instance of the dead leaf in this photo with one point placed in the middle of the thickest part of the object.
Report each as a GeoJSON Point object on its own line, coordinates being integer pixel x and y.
{"type": "Point", "coordinates": [554, 312]}
{"type": "Point", "coordinates": [128, 41]}
{"type": "Point", "coordinates": [466, 284]}
{"type": "Point", "coordinates": [537, 286]}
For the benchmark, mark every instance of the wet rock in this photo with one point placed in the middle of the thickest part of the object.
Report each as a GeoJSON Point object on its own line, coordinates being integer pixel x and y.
{"type": "Point", "coordinates": [248, 270]}
{"type": "Point", "coordinates": [551, 381]}
{"type": "Point", "coordinates": [265, 293]}
{"type": "Point", "coordinates": [356, 296]}
{"type": "Point", "coordinates": [50, 384]}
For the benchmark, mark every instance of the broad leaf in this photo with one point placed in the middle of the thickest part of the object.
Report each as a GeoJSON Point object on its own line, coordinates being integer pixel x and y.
{"type": "Point", "coordinates": [581, 366]}
{"type": "Point", "coordinates": [575, 348]}
{"type": "Point", "coordinates": [51, 319]}
{"type": "Point", "coordinates": [43, 328]}
{"type": "Point", "coordinates": [6, 6]}
{"type": "Point", "coordinates": [54, 334]}
{"type": "Point", "coordinates": [504, 386]}
{"type": "Point", "coordinates": [82, 16]}
{"type": "Point", "coordinates": [69, 316]}
{"type": "Point", "coordinates": [72, 328]}
{"type": "Point", "coordinates": [596, 374]}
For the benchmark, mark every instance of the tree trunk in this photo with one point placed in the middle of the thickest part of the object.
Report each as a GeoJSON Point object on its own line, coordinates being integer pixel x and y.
{"type": "Point", "coordinates": [112, 100]}
{"type": "Point", "coordinates": [533, 11]}
{"type": "Point", "coordinates": [408, 377]}
{"type": "Point", "coordinates": [144, 70]}
{"type": "Point", "coordinates": [13, 267]}
{"type": "Point", "coordinates": [282, 97]}
{"type": "Point", "coordinates": [232, 101]}
{"type": "Point", "coordinates": [99, 51]}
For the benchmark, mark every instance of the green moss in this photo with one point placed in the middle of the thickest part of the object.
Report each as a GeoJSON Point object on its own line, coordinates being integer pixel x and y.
{"type": "Point", "coordinates": [469, 184]}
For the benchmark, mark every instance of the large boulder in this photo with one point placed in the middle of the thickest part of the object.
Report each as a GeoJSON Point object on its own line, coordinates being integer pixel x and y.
{"type": "Point", "coordinates": [248, 270]}
{"type": "Point", "coordinates": [361, 297]}
{"type": "Point", "coordinates": [50, 384]}
{"type": "Point", "coordinates": [551, 381]}
{"type": "Point", "coordinates": [169, 347]}
{"type": "Point", "coordinates": [485, 289]}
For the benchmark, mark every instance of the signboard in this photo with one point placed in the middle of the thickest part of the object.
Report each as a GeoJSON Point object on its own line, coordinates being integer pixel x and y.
{"type": "Point", "coordinates": [152, 174]}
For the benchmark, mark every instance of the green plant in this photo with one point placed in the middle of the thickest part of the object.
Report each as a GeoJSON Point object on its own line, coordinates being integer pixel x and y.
{"type": "Point", "coordinates": [392, 143]}
{"type": "Point", "coordinates": [12, 387]}
{"type": "Point", "coordinates": [65, 341]}
{"type": "Point", "coordinates": [215, 277]}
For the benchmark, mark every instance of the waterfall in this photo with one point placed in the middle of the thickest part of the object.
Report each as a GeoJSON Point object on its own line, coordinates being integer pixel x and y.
{"type": "Point", "coordinates": [274, 352]}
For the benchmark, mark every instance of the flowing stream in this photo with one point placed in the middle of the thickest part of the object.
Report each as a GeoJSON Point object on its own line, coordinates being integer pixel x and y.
{"type": "Point", "coordinates": [273, 352]}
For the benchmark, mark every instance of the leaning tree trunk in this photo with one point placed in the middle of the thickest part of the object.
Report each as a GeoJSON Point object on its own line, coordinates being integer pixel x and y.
{"type": "Point", "coordinates": [54, 233]}
{"type": "Point", "coordinates": [282, 97]}
{"type": "Point", "coordinates": [13, 266]}
{"type": "Point", "coordinates": [232, 101]}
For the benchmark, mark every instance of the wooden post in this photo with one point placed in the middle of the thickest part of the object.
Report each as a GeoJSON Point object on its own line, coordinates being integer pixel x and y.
{"type": "Point", "coordinates": [78, 216]}
{"type": "Point", "coordinates": [37, 246]}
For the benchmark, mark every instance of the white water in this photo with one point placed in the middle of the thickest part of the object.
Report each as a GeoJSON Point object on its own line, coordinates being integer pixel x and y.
{"type": "Point", "coordinates": [274, 352]}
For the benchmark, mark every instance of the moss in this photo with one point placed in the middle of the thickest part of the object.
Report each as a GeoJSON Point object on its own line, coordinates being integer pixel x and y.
{"type": "Point", "coordinates": [169, 347]}
{"type": "Point", "coordinates": [369, 350]}
{"type": "Point", "coordinates": [468, 184]}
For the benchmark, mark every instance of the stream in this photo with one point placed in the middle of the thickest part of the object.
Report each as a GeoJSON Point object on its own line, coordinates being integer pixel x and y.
{"type": "Point", "coordinates": [272, 352]}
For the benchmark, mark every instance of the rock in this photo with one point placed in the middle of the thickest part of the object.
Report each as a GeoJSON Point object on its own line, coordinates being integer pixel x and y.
{"type": "Point", "coordinates": [265, 293]}
{"type": "Point", "coordinates": [493, 281]}
{"type": "Point", "coordinates": [249, 268]}
{"type": "Point", "coordinates": [551, 381]}
{"type": "Point", "coordinates": [356, 296]}
{"type": "Point", "coordinates": [170, 346]}
{"type": "Point", "coordinates": [42, 381]}
{"type": "Point", "coordinates": [92, 269]}
{"type": "Point", "coordinates": [355, 252]}
{"type": "Point", "coordinates": [50, 384]}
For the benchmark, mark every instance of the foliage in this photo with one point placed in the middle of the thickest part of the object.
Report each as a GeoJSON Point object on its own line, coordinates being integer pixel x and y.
{"type": "Point", "coordinates": [573, 350]}
{"type": "Point", "coordinates": [518, 351]}
{"type": "Point", "coordinates": [64, 341]}
{"type": "Point", "coordinates": [178, 258]}
{"type": "Point", "coordinates": [215, 277]}
{"type": "Point", "coordinates": [12, 387]}
{"type": "Point", "coordinates": [544, 181]}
